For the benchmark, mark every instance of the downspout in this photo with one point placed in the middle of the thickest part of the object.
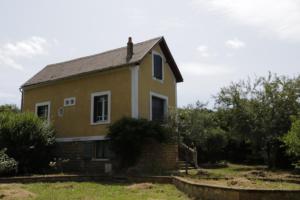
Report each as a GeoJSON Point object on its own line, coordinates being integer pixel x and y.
{"type": "Point", "coordinates": [22, 91]}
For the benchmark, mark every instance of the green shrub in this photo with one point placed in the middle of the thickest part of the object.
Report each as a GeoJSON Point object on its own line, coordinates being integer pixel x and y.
{"type": "Point", "coordinates": [128, 136]}
{"type": "Point", "coordinates": [27, 139]}
{"type": "Point", "coordinates": [9, 108]}
{"type": "Point", "coordinates": [8, 165]}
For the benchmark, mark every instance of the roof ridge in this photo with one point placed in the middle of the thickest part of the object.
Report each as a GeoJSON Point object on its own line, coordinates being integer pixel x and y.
{"type": "Point", "coordinates": [104, 52]}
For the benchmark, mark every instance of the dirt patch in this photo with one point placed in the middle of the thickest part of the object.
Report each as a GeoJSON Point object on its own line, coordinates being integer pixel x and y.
{"type": "Point", "coordinates": [14, 192]}
{"type": "Point", "coordinates": [141, 186]}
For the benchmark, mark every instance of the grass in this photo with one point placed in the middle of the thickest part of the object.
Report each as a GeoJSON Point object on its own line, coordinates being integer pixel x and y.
{"type": "Point", "coordinates": [245, 176]}
{"type": "Point", "coordinates": [90, 191]}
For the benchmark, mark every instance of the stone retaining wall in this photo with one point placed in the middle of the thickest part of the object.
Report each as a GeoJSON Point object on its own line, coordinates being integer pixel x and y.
{"type": "Point", "coordinates": [208, 192]}
{"type": "Point", "coordinates": [158, 156]}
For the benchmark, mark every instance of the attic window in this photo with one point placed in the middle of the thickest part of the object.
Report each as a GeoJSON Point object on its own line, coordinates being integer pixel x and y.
{"type": "Point", "coordinates": [157, 66]}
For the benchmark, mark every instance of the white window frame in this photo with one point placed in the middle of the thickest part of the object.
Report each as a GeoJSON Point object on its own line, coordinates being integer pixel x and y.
{"type": "Point", "coordinates": [108, 93]}
{"type": "Point", "coordinates": [163, 67]}
{"type": "Point", "coordinates": [154, 94]}
{"type": "Point", "coordinates": [45, 103]}
{"type": "Point", "coordinates": [69, 99]}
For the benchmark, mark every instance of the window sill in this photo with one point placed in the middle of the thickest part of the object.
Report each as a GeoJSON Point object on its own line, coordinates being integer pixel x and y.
{"type": "Point", "coordinates": [99, 123]}
{"type": "Point", "coordinates": [159, 80]}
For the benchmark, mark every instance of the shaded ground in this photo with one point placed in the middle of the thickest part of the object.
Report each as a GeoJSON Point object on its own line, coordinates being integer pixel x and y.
{"type": "Point", "coordinates": [90, 191]}
{"type": "Point", "coordinates": [244, 176]}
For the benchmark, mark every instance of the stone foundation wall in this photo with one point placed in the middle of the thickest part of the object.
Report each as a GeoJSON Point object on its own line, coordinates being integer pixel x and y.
{"type": "Point", "coordinates": [157, 156]}
{"type": "Point", "coordinates": [72, 158]}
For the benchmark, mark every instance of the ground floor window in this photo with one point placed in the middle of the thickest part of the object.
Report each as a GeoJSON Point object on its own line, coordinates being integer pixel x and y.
{"type": "Point", "coordinates": [97, 149]}
{"type": "Point", "coordinates": [100, 107]}
{"type": "Point", "coordinates": [102, 149]}
{"type": "Point", "coordinates": [159, 106]}
{"type": "Point", "coordinates": [42, 110]}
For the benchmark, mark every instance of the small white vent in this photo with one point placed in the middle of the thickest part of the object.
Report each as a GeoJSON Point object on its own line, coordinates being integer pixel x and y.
{"type": "Point", "coordinates": [71, 101]}
{"type": "Point", "coordinates": [108, 168]}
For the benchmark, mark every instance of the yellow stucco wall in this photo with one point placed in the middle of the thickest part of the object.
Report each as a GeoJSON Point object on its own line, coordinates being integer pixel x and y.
{"type": "Point", "coordinates": [76, 119]}
{"type": "Point", "coordinates": [147, 84]}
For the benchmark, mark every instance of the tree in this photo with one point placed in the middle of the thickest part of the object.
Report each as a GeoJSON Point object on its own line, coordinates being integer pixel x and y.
{"type": "Point", "coordinates": [199, 126]}
{"type": "Point", "coordinates": [292, 138]}
{"type": "Point", "coordinates": [259, 112]}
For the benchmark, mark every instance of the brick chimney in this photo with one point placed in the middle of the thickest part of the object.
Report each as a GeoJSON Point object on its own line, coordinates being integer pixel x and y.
{"type": "Point", "coordinates": [129, 49]}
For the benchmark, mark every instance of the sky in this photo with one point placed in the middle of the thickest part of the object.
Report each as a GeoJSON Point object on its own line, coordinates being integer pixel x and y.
{"type": "Point", "coordinates": [214, 42]}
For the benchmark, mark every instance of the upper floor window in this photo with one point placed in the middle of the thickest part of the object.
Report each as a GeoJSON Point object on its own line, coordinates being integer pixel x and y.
{"type": "Point", "coordinates": [71, 101]}
{"type": "Point", "coordinates": [157, 66]}
{"type": "Point", "coordinates": [42, 110]}
{"type": "Point", "coordinates": [100, 108]}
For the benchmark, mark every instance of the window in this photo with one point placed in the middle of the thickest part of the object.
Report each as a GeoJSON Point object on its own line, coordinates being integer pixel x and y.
{"type": "Point", "coordinates": [157, 70]}
{"type": "Point", "coordinates": [158, 107]}
{"type": "Point", "coordinates": [42, 110]}
{"type": "Point", "coordinates": [71, 101]}
{"type": "Point", "coordinates": [97, 149]}
{"type": "Point", "coordinates": [102, 149]}
{"type": "Point", "coordinates": [100, 108]}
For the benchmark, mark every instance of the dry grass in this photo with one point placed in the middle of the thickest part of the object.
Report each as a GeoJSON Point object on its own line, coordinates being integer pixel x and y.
{"type": "Point", "coordinates": [14, 192]}
{"type": "Point", "coordinates": [244, 176]}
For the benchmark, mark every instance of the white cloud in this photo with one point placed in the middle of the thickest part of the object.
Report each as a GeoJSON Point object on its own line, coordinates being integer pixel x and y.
{"type": "Point", "coordinates": [204, 69]}
{"type": "Point", "coordinates": [11, 52]}
{"type": "Point", "coordinates": [235, 43]}
{"type": "Point", "coordinates": [280, 17]}
{"type": "Point", "coordinates": [203, 50]}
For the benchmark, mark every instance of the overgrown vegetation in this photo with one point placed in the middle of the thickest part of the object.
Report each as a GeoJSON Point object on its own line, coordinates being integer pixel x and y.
{"type": "Point", "coordinates": [28, 140]}
{"type": "Point", "coordinates": [128, 136]}
{"type": "Point", "coordinates": [8, 166]}
{"type": "Point", "coordinates": [251, 122]}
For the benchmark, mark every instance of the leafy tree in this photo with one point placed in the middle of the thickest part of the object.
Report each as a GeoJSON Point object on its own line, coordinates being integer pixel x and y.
{"type": "Point", "coordinates": [28, 140]}
{"type": "Point", "coordinates": [259, 113]}
{"type": "Point", "coordinates": [199, 126]}
{"type": "Point", "coordinates": [292, 138]}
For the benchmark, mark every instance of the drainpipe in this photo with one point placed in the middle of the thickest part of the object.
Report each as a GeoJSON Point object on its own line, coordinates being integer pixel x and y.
{"type": "Point", "coordinates": [22, 91]}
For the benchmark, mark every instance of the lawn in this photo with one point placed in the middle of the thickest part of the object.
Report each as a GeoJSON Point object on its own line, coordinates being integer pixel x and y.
{"type": "Point", "coordinates": [246, 176]}
{"type": "Point", "coordinates": [90, 191]}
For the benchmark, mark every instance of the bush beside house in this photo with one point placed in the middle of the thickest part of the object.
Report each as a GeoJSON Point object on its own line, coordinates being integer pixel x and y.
{"type": "Point", "coordinates": [128, 137]}
{"type": "Point", "coordinates": [27, 139]}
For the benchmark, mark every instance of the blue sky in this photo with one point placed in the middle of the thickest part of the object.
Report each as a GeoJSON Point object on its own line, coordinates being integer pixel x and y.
{"type": "Point", "coordinates": [214, 42]}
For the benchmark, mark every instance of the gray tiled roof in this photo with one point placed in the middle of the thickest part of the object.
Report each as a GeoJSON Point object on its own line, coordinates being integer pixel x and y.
{"type": "Point", "coordinates": [97, 62]}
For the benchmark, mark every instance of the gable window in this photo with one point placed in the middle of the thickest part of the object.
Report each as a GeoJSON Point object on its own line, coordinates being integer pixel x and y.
{"type": "Point", "coordinates": [42, 110]}
{"type": "Point", "coordinates": [157, 66]}
{"type": "Point", "coordinates": [159, 106]}
{"type": "Point", "coordinates": [100, 108]}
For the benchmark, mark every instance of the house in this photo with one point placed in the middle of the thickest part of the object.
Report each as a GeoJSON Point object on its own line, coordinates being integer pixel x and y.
{"type": "Point", "coordinates": [82, 97]}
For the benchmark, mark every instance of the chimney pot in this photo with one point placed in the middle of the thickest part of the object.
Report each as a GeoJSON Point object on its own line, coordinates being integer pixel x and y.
{"type": "Point", "coordinates": [129, 49]}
